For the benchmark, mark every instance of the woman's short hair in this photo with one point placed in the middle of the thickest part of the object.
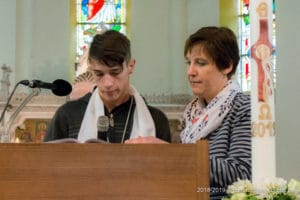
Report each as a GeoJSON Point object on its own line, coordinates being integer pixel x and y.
{"type": "Point", "coordinates": [218, 43]}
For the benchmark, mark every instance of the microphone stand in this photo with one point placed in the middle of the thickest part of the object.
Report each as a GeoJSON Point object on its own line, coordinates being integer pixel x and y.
{"type": "Point", "coordinates": [6, 136]}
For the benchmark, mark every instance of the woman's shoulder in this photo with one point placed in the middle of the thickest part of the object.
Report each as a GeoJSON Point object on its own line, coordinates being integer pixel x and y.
{"type": "Point", "coordinates": [241, 103]}
{"type": "Point", "coordinates": [242, 99]}
{"type": "Point", "coordinates": [241, 96]}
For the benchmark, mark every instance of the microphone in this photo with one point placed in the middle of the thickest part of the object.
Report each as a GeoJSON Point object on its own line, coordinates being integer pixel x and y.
{"type": "Point", "coordinates": [59, 87]}
{"type": "Point", "coordinates": [102, 126]}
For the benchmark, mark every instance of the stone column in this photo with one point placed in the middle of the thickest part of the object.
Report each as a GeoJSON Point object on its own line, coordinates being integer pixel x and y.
{"type": "Point", "coordinates": [5, 83]}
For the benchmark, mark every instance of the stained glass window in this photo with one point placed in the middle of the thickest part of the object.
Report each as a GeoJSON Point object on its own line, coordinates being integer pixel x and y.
{"type": "Point", "coordinates": [94, 16]}
{"type": "Point", "coordinates": [243, 74]}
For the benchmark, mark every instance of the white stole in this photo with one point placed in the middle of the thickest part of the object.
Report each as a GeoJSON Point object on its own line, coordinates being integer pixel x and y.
{"type": "Point", "coordinates": [143, 124]}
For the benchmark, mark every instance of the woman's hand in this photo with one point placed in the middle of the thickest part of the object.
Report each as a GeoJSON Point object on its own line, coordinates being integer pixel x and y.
{"type": "Point", "coordinates": [146, 140]}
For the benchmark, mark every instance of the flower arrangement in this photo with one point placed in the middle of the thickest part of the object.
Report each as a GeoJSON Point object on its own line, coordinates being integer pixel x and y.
{"type": "Point", "coordinates": [269, 189]}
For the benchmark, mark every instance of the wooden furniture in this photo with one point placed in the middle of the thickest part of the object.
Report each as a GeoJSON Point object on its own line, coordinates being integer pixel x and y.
{"type": "Point", "coordinates": [104, 171]}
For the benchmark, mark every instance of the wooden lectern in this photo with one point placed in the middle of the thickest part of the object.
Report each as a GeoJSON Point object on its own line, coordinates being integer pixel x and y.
{"type": "Point", "coordinates": [71, 171]}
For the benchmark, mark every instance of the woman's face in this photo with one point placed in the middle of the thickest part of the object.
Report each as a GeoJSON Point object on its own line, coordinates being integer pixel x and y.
{"type": "Point", "coordinates": [205, 78]}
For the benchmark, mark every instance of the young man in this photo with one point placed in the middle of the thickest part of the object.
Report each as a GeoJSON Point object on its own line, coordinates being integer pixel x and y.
{"type": "Point", "coordinates": [129, 116]}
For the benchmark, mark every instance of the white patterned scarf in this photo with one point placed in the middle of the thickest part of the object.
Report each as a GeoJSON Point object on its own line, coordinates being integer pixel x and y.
{"type": "Point", "coordinates": [200, 120]}
{"type": "Point", "coordinates": [143, 124]}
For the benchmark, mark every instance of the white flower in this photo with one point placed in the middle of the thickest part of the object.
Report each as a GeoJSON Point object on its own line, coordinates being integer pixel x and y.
{"type": "Point", "coordinates": [294, 188]}
{"type": "Point", "coordinates": [270, 187]}
{"type": "Point", "coordinates": [267, 189]}
{"type": "Point", "coordinates": [240, 186]}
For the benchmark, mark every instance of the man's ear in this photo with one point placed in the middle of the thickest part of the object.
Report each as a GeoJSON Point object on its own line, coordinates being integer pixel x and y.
{"type": "Point", "coordinates": [131, 65]}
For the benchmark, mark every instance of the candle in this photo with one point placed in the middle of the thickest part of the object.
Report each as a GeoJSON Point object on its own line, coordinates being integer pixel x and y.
{"type": "Point", "coordinates": [262, 91]}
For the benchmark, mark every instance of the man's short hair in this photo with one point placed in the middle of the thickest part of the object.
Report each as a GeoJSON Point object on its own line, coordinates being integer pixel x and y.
{"type": "Point", "coordinates": [111, 48]}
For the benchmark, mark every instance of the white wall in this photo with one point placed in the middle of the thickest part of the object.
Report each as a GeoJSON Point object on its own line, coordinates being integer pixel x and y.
{"type": "Point", "coordinates": [35, 39]}
{"type": "Point", "coordinates": [202, 13]}
{"type": "Point", "coordinates": [158, 31]}
{"type": "Point", "coordinates": [287, 89]}
{"type": "Point", "coordinates": [8, 33]}
{"type": "Point", "coordinates": [154, 26]}
{"type": "Point", "coordinates": [43, 39]}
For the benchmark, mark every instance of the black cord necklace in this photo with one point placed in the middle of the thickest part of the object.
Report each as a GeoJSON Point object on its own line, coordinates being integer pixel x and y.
{"type": "Point", "coordinates": [111, 121]}
{"type": "Point", "coordinates": [127, 119]}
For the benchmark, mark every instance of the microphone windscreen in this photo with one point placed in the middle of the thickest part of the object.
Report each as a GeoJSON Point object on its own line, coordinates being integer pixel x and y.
{"type": "Point", "coordinates": [25, 82]}
{"type": "Point", "coordinates": [102, 123]}
{"type": "Point", "coordinates": [62, 87]}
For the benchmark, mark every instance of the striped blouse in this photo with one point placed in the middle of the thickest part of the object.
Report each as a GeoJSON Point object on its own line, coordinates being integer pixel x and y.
{"type": "Point", "coordinates": [230, 147]}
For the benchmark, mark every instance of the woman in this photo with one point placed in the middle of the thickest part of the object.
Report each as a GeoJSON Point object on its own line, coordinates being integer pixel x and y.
{"type": "Point", "coordinates": [220, 112]}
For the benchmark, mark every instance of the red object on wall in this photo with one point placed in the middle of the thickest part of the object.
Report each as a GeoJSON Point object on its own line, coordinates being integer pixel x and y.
{"type": "Point", "coordinates": [246, 2]}
{"type": "Point", "coordinates": [94, 6]}
{"type": "Point", "coordinates": [247, 70]}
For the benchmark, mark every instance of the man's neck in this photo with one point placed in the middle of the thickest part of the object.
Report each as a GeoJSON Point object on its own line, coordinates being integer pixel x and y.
{"type": "Point", "coordinates": [111, 105]}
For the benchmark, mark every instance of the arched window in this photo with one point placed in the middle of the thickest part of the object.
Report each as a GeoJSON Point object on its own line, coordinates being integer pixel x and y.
{"type": "Point", "coordinates": [93, 16]}
{"type": "Point", "coordinates": [243, 74]}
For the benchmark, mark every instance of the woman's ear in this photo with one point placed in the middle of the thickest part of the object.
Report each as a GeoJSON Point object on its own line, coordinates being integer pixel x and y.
{"type": "Point", "coordinates": [227, 70]}
{"type": "Point", "coordinates": [131, 65]}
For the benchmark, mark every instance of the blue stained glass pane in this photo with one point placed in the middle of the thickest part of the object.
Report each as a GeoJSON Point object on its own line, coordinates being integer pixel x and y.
{"type": "Point", "coordinates": [84, 7]}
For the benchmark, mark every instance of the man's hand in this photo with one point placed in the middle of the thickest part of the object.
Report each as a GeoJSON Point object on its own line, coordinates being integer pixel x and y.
{"type": "Point", "coordinates": [145, 140]}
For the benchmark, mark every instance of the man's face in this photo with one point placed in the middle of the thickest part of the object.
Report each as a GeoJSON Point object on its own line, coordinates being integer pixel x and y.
{"type": "Point", "coordinates": [112, 82]}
